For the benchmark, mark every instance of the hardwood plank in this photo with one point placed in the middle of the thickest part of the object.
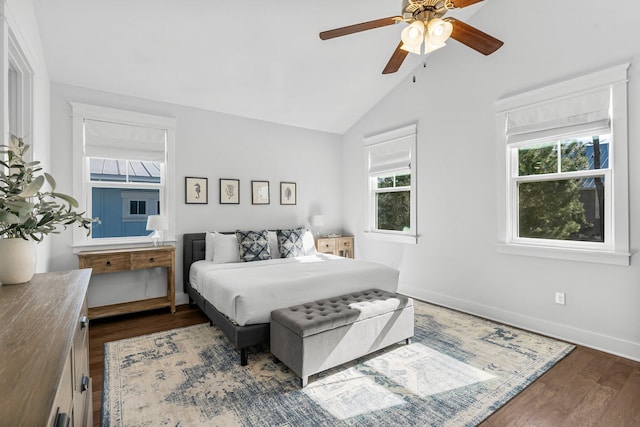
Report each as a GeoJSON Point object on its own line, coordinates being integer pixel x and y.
{"type": "Point", "coordinates": [571, 391]}
{"type": "Point", "coordinates": [624, 410]}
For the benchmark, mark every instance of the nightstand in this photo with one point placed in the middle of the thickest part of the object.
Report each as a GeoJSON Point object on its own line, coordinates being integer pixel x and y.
{"type": "Point", "coordinates": [127, 260]}
{"type": "Point", "coordinates": [341, 246]}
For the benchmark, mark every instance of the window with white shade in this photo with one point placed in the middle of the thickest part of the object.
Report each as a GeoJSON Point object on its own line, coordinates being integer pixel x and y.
{"type": "Point", "coordinates": [391, 158]}
{"type": "Point", "coordinates": [124, 160]}
{"type": "Point", "coordinates": [565, 170]}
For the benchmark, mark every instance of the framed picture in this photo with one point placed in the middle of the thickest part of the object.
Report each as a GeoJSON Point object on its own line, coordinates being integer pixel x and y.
{"type": "Point", "coordinates": [260, 192]}
{"type": "Point", "coordinates": [229, 191]}
{"type": "Point", "coordinates": [288, 193]}
{"type": "Point", "coordinates": [196, 191]}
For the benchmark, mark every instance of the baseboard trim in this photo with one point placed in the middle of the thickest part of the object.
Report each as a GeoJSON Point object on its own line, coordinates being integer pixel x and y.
{"type": "Point", "coordinates": [608, 344]}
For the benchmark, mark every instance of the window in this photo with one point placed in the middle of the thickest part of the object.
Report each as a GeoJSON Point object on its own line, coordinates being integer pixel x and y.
{"type": "Point", "coordinates": [392, 185]}
{"type": "Point", "coordinates": [123, 160]}
{"type": "Point", "coordinates": [19, 92]}
{"type": "Point", "coordinates": [565, 152]}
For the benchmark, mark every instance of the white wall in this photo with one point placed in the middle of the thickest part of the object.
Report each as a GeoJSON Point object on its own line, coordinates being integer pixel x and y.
{"type": "Point", "coordinates": [214, 146]}
{"type": "Point", "coordinates": [456, 261]}
{"type": "Point", "coordinates": [21, 20]}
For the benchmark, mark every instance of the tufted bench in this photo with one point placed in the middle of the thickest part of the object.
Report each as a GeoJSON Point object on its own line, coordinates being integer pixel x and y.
{"type": "Point", "coordinates": [312, 337]}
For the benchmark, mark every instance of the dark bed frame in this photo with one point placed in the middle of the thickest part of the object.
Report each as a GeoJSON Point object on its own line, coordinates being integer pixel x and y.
{"type": "Point", "coordinates": [242, 337]}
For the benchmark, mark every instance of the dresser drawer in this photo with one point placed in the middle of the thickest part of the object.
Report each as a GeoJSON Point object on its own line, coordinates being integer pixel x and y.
{"type": "Point", "coordinates": [344, 243]}
{"type": "Point", "coordinates": [150, 259]}
{"type": "Point", "coordinates": [106, 263]}
{"type": "Point", "coordinates": [327, 246]}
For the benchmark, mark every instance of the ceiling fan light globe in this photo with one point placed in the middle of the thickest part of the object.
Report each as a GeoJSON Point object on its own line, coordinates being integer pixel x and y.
{"type": "Point", "coordinates": [410, 49]}
{"type": "Point", "coordinates": [439, 30]}
{"type": "Point", "coordinates": [413, 35]}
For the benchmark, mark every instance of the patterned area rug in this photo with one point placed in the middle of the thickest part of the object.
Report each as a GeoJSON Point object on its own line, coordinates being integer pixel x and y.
{"type": "Point", "coordinates": [456, 372]}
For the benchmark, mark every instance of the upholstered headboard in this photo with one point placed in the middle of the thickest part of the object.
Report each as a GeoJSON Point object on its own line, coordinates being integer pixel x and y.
{"type": "Point", "coordinates": [193, 249]}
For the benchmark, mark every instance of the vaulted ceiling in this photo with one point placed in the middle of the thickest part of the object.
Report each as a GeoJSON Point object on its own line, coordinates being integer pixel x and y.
{"type": "Point", "coordinates": [256, 59]}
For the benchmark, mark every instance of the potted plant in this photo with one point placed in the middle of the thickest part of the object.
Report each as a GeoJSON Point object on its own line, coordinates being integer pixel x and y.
{"type": "Point", "coordinates": [28, 212]}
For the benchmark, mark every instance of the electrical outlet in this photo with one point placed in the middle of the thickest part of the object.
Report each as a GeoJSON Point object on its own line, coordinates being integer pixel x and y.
{"type": "Point", "coordinates": [560, 298]}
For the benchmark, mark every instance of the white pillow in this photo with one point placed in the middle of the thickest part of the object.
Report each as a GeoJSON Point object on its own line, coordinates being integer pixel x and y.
{"type": "Point", "coordinates": [273, 244]}
{"type": "Point", "coordinates": [208, 247]}
{"type": "Point", "coordinates": [225, 248]}
{"type": "Point", "coordinates": [308, 243]}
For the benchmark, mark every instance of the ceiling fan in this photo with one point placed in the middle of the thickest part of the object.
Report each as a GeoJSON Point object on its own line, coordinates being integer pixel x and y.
{"type": "Point", "coordinates": [426, 32]}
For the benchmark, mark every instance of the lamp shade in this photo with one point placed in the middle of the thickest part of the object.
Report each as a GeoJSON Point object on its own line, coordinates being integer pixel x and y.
{"type": "Point", "coordinates": [157, 222]}
{"type": "Point", "coordinates": [412, 36]}
{"type": "Point", "coordinates": [317, 220]}
{"type": "Point", "coordinates": [439, 31]}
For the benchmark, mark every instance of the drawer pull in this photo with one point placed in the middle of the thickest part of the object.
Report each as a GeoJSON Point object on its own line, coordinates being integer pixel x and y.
{"type": "Point", "coordinates": [84, 322]}
{"type": "Point", "coordinates": [84, 383]}
{"type": "Point", "coordinates": [108, 263]}
{"type": "Point", "coordinates": [152, 259]}
{"type": "Point", "coordinates": [62, 420]}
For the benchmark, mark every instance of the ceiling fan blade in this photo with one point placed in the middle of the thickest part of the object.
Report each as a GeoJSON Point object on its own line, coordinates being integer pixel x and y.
{"type": "Point", "coordinates": [356, 28]}
{"type": "Point", "coordinates": [464, 3]}
{"type": "Point", "coordinates": [396, 60]}
{"type": "Point", "coordinates": [474, 38]}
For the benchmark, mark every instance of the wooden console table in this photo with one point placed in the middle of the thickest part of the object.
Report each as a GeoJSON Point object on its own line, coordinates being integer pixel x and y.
{"type": "Point", "coordinates": [127, 260]}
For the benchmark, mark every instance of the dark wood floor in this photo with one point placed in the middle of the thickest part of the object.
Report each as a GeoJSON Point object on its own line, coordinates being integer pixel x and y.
{"type": "Point", "coordinates": [587, 388]}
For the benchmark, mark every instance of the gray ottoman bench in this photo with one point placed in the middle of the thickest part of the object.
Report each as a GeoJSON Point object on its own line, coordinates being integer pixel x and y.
{"type": "Point", "coordinates": [312, 337]}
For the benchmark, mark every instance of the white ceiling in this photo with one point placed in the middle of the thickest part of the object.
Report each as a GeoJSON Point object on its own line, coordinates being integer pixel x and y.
{"type": "Point", "coordinates": [257, 59]}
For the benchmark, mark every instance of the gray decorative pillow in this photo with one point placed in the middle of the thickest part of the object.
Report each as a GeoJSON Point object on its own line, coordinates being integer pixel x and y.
{"type": "Point", "coordinates": [290, 242]}
{"type": "Point", "coordinates": [254, 245]}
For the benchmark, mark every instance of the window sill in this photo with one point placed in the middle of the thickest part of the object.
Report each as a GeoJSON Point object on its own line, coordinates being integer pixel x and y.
{"type": "Point", "coordinates": [392, 237]}
{"type": "Point", "coordinates": [118, 244]}
{"type": "Point", "coordinates": [583, 255]}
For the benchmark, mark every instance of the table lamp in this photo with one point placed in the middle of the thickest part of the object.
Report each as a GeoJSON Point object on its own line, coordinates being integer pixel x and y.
{"type": "Point", "coordinates": [157, 223]}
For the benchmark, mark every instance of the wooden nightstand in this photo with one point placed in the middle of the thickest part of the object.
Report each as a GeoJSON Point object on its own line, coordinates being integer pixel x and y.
{"type": "Point", "coordinates": [127, 260]}
{"type": "Point", "coordinates": [341, 246]}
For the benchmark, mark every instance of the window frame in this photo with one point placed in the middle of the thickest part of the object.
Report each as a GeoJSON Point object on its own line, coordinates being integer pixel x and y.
{"type": "Point", "coordinates": [615, 248]}
{"type": "Point", "coordinates": [19, 97]}
{"type": "Point", "coordinates": [558, 176]}
{"type": "Point", "coordinates": [394, 136]}
{"type": "Point", "coordinates": [82, 184]}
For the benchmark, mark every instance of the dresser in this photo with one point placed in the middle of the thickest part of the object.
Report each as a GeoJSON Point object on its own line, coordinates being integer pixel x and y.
{"type": "Point", "coordinates": [133, 259]}
{"type": "Point", "coordinates": [341, 246]}
{"type": "Point", "coordinates": [44, 362]}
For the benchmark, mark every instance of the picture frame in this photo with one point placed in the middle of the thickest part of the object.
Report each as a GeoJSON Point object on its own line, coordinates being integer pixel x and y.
{"type": "Point", "coordinates": [260, 192]}
{"type": "Point", "coordinates": [196, 190]}
{"type": "Point", "coordinates": [288, 193]}
{"type": "Point", "coordinates": [229, 191]}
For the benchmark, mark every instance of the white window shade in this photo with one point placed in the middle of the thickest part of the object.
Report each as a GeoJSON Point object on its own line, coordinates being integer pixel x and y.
{"type": "Point", "coordinates": [122, 141]}
{"type": "Point", "coordinates": [393, 156]}
{"type": "Point", "coordinates": [579, 113]}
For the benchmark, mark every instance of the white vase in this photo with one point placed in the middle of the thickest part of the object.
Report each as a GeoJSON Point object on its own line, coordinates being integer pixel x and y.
{"type": "Point", "coordinates": [17, 260]}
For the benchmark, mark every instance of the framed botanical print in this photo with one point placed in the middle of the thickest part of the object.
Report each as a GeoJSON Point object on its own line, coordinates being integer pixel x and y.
{"type": "Point", "coordinates": [260, 192]}
{"type": "Point", "coordinates": [229, 191]}
{"type": "Point", "coordinates": [288, 193]}
{"type": "Point", "coordinates": [196, 190]}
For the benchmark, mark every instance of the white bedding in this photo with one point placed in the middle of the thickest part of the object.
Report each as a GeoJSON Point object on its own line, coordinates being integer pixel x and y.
{"type": "Point", "coordinates": [247, 292]}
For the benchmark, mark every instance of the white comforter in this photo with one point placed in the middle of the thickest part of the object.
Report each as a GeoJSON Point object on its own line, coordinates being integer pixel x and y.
{"type": "Point", "coordinates": [247, 292]}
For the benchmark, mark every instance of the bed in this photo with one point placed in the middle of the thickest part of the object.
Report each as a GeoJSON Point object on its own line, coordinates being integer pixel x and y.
{"type": "Point", "coordinates": [238, 297]}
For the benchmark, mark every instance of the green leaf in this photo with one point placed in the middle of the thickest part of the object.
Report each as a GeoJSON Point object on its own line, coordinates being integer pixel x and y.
{"type": "Point", "coordinates": [33, 187]}
{"type": "Point", "coordinates": [51, 181]}
{"type": "Point", "coordinates": [70, 200]}
{"type": "Point", "coordinates": [8, 218]}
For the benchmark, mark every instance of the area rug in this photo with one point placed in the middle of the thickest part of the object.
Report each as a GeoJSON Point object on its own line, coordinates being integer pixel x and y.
{"type": "Point", "coordinates": [456, 372]}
